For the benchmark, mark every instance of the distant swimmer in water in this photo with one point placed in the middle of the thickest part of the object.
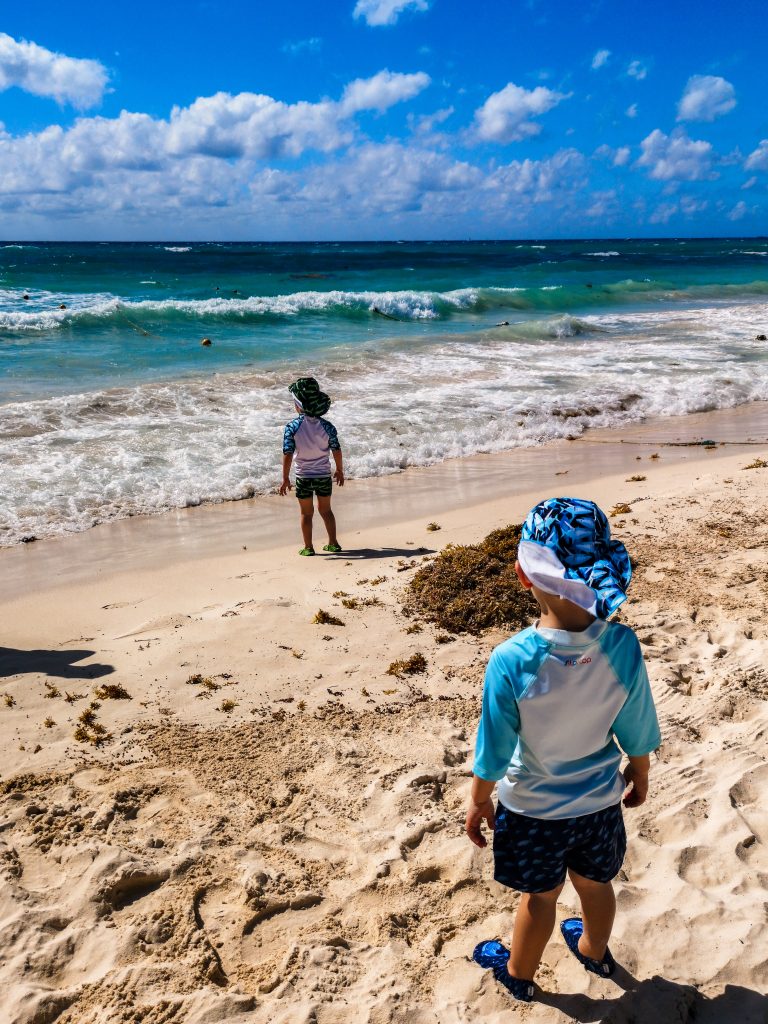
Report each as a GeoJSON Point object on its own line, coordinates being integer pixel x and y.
{"type": "Point", "coordinates": [62, 305]}
{"type": "Point", "coordinates": [25, 297]}
{"type": "Point", "coordinates": [387, 316]}
{"type": "Point", "coordinates": [504, 323]}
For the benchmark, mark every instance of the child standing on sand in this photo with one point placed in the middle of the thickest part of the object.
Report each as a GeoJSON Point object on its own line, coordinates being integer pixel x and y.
{"type": "Point", "coordinates": [312, 439]}
{"type": "Point", "coordinates": [557, 698]}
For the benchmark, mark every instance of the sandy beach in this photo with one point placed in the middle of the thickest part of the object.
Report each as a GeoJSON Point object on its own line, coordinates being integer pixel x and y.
{"type": "Point", "coordinates": [272, 828]}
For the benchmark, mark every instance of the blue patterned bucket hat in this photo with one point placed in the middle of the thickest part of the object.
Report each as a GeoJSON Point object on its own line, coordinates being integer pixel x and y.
{"type": "Point", "coordinates": [566, 549]}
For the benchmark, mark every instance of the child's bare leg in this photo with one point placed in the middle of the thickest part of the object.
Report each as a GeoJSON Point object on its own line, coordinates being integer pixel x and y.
{"type": "Point", "coordinates": [307, 511]}
{"type": "Point", "coordinates": [534, 922]}
{"type": "Point", "coordinates": [598, 909]}
{"type": "Point", "coordinates": [324, 508]}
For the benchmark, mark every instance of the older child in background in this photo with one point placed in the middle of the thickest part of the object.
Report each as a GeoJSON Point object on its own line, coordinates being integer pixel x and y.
{"type": "Point", "coordinates": [312, 440]}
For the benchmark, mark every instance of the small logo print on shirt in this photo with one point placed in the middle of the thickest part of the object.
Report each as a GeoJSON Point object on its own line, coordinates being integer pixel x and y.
{"type": "Point", "coordinates": [577, 661]}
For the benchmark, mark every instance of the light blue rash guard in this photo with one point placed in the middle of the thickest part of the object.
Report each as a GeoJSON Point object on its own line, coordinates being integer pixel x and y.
{"type": "Point", "coordinates": [554, 706]}
{"type": "Point", "coordinates": [312, 438]}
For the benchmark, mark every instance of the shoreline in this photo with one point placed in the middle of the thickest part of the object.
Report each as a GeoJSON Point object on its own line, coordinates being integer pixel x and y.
{"type": "Point", "coordinates": [268, 522]}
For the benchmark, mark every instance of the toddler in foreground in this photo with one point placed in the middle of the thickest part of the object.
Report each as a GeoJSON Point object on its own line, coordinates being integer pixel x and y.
{"type": "Point", "coordinates": [558, 698]}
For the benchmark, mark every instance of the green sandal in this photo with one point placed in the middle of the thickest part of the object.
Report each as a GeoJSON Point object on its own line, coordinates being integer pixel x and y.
{"type": "Point", "coordinates": [333, 548]}
{"type": "Point", "coordinates": [307, 551]}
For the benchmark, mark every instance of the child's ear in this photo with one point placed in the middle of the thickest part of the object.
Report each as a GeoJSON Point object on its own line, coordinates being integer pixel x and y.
{"type": "Point", "coordinates": [524, 581]}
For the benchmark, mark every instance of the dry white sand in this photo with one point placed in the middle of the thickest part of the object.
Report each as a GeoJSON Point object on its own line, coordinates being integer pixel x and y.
{"type": "Point", "coordinates": [297, 855]}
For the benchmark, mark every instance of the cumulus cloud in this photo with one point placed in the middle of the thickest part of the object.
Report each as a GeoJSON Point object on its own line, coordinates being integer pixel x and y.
{"type": "Point", "coordinates": [539, 180]}
{"type": "Point", "coordinates": [636, 69]}
{"type": "Point", "coordinates": [676, 157]}
{"type": "Point", "coordinates": [506, 115]}
{"type": "Point", "coordinates": [44, 73]}
{"type": "Point", "coordinates": [312, 45]}
{"type": "Point", "coordinates": [604, 204]}
{"type": "Point", "coordinates": [617, 157]}
{"type": "Point", "coordinates": [706, 97]}
{"type": "Point", "coordinates": [600, 59]}
{"type": "Point", "coordinates": [390, 178]}
{"type": "Point", "coordinates": [738, 211]}
{"type": "Point", "coordinates": [758, 158]}
{"type": "Point", "coordinates": [382, 91]}
{"type": "Point", "coordinates": [231, 131]}
{"type": "Point", "coordinates": [386, 12]}
{"type": "Point", "coordinates": [663, 213]}
{"type": "Point", "coordinates": [631, 110]}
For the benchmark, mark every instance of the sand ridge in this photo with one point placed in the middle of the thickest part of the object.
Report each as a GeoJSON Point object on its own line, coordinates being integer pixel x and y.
{"type": "Point", "coordinates": [300, 857]}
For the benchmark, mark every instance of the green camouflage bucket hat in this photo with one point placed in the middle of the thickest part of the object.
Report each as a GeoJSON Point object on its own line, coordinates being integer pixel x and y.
{"type": "Point", "coordinates": [306, 392]}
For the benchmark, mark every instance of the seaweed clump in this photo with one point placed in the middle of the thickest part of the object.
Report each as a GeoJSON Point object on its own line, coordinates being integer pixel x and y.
{"type": "Point", "coordinates": [472, 587]}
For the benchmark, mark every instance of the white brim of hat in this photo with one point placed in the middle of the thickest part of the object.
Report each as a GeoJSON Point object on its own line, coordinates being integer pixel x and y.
{"type": "Point", "coordinates": [545, 571]}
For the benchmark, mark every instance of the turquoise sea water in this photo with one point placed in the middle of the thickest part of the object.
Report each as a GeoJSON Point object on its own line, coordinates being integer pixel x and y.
{"type": "Point", "coordinates": [111, 406]}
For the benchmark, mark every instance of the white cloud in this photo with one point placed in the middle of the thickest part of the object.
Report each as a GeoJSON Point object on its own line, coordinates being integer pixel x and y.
{"type": "Point", "coordinates": [676, 157]}
{"type": "Point", "coordinates": [390, 178]}
{"type": "Point", "coordinates": [311, 45]}
{"type": "Point", "coordinates": [663, 213]}
{"type": "Point", "coordinates": [505, 115]}
{"type": "Point", "coordinates": [758, 158]}
{"type": "Point", "coordinates": [44, 73]}
{"type": "Point", "coordinates": [690, 205]}
{"type": "Point", "coordinates": [749, 183]}
{"type": "Point", "coordinates": [97, 151]}
{"type": "Point", "coordinates": [706, 97]}
{"type": "Point", "coordinates": [618, 157]}
{"type": "Point", "coordinates": [603, 204]}
{"type": "Point", "coordinates": [539, 180]}
{"type": "Point", "coordinates": [631, 110]}
{"type": "Point", "coordinates": [386, 12]}
{"type": "Point", "coordinates": [382, 91]}
{"type": "Point", "coordinates": [600, 59]}
{"type": "Point", "coordinates": [738, 211]}
{"type": "Point", "coordinates": [636, 69]}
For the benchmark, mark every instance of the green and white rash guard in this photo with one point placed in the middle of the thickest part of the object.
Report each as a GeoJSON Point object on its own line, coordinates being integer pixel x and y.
{"type": "Point", "coordinates": [554, 706]}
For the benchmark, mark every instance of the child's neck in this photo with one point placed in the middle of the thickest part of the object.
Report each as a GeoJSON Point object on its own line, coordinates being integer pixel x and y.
{"type": "Point", "coordinates": [557, 613]}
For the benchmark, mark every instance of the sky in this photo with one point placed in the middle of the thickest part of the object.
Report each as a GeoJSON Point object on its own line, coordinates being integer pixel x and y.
{"type": "Point", "coordinates": [383, 119]}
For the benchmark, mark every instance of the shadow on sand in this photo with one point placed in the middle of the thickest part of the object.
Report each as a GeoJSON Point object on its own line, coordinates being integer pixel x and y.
{"type": "Point", "coordinates": [60, 664]}
{"type": "Point", "coordinates": [659, 1001]}
{"type": "Point", "coordinates": [361, 554]}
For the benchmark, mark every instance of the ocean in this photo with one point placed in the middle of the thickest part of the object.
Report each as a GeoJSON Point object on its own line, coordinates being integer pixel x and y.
{"type": "Point", "coordinates": [110, 406]}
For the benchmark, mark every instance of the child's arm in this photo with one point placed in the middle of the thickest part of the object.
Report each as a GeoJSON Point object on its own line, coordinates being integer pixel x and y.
{"type": "Point", "coordinates": [338, 476]}
{"type": "Point", "coordinates": [494, 747]}
{"type": "Point", "coordinates": [480, 810]}
{"type": "Point", "coordinates": [285, 486]}
{"type": "Point", "coordinates": [636, 726]}
{"type": "Point", "coordinates": [636, 778]}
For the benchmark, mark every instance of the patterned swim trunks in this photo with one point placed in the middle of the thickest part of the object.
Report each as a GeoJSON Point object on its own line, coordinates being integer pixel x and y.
{"type": "Point", "coordinates": [534, 854]}
{"type": "Point", "coordinates": [306, 486]}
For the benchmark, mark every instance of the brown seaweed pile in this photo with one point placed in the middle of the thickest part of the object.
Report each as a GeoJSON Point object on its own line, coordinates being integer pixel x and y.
{"type": "Point", "coordinates": [472, 587]}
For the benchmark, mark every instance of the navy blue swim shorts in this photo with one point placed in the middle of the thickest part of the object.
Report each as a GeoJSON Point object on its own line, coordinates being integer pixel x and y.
{"type": "Point", "coordinates": [534, 854]}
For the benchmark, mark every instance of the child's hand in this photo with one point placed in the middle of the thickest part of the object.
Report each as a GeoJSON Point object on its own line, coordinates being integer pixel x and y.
{"type": "Point", "coordinates": [285, 486]}
{"type": "Point", "coordinates": [637, 783]}
{"type": "Point", "coordinates": [476, 815]}
{"type": "Point", "coordinates": [338, 476]}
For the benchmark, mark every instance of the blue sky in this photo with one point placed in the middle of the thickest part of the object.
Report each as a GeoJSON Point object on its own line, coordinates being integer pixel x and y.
{"type": "Point", "coordinates": [383, 119]}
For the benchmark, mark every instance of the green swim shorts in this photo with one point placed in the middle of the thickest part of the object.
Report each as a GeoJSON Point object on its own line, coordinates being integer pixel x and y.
{"type": "Point", "coordinates": [306, 486]}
